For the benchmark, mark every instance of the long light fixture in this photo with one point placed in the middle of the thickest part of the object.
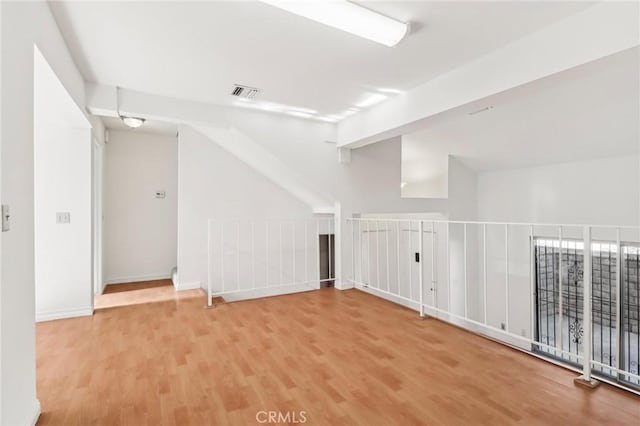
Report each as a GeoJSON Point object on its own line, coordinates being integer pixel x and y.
{"type": "Point", "coordinates": [349, 17]}
{"type": "Point", "coordinates": [133, 122]}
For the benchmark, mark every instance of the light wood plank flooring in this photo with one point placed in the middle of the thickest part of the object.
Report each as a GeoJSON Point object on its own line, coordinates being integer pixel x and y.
{"type": "Point", "coordinates": [140, 292]}
{"type": "Point", "coordinates": [343, 357]}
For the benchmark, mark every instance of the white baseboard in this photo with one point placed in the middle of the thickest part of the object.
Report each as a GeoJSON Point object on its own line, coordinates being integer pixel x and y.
{"type": "Point", "coordinates": [138, 278]}
{"type": "Point", "coordinates": [187, 286]}
{"type": "Point", "coordinates": [268, 292]}
{"type": "Point", "coordinates": [35, 415]}
{"type": "Point", "coordinates": [69, 313]}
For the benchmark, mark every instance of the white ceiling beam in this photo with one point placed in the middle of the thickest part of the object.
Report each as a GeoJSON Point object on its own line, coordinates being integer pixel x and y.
{"type": "Point", "coordinates": [218, 123]}
{"type": "Point", "coordinates": [103, 101]}
{"type": "Point", "coordinates": [598, 31]}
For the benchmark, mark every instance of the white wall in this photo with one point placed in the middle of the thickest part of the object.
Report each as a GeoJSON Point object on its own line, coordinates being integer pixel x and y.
{"type": "Point", "coordinates": [213, 184]}
{"type": "Point", "coordinates": [98, 215]}
{"type": "Point", "coordinates": [140, 230]}
{"type": "Point", "coordinates": [63, 269]}
{"type": "Point", "coordinates": [604, 191]}
{"type": "Point", "coordinates": [424, 173]}
{"type": "Point", "coordinates": [23, 24]}
{"type": "Point", "coordinates": [369, 183]}
{"type": "Point", "coordinates": [62, 183]}
{"type": "Point", "coordinates": [463, 192]}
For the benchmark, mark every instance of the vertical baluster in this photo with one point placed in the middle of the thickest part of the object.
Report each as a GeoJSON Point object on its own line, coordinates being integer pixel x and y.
{"type": "Point", "coordinates": [222, 255]}
{"type": "Point", "coordinates": [253, 256]}
{"type": "Point", "coordinates": [306, 252]}
{"type": "Point", "coordinates": [560, 290]}
{"type": "Point", "coordinates": [484, 271]}
{"type": "Point", "coordinates": [280, 251]}
{"type": "Point", "coordinates": [353, 252]}
{"type": "Point", "coordinates": [329, 246]}
{"type": "Point", "coordinates": [532, 290]}
{"type": "Point", "coordinates": [587, 280]}
{"type": "Point", "coordinates": [410, 257]}
{"type": "Point", "coordinates": [368, 254]}
{"type": "Point", "coordinates": [361, 251]}
{"type": "Point", "coordinates": [506, 283]}
{"type": "Point", "coordinates": [398, 255]}
{"type": "Point", "coordinates": [209, 250]}
{"type": "Point", "coordinates": [466, 309]}
{"type": "Point", "coordinates": [448, 273]}
{"type": "Point", "coordinates": [293, 250]}
{"type": "Point", "coordinates": [386, 236]}
{"type": "Point", "coordinates": [238, 255]}
{"type": "Point", "coordinates": [377, 254]}
{"type": "Point", "coordinates": [318, 252]}
{"type": "Point", "coordinates": [434, 301]}
{"type": "Point", "coordinates": [420, 271]}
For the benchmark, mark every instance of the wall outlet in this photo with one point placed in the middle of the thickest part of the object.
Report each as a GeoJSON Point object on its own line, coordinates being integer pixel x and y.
{"type": "Point", "coordinates": [160, 194]}
{"type": "Point", "coordinates": [63, 217]}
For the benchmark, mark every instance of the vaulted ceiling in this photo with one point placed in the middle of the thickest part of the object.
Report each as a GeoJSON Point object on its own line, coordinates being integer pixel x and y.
{"type": "Point", "coordinates": [587, 112]}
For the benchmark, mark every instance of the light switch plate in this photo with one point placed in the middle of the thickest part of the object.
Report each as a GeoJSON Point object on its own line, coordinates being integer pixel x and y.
{"type": "Point", "coordinates": [6, 225]}
{"type": "Point", "coordinates": [63, 217]}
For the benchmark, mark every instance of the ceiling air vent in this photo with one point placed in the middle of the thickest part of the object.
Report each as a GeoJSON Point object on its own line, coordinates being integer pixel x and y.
{"type": "Point", "coordinates": [244, 91]}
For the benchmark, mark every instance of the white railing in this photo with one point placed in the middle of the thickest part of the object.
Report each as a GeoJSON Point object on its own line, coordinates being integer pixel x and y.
{"type": "Point", "coordinates": [249, 259]}
{"type": "Point", "coordinates": [483, 276]}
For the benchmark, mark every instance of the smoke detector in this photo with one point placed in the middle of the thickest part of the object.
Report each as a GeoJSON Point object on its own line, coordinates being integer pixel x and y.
{"type": "Point", "coordinates": [246, 92]}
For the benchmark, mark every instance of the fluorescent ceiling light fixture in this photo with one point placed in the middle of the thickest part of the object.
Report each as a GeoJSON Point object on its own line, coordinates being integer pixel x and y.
{"type": "Point", "coordinates": [348, 17]}
{"type": "Point", "coordinates": [372, 100]}
{"type": "Point", "coordinates": [133, 122]}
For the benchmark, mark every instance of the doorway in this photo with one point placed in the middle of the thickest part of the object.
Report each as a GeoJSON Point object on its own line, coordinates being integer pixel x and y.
{"type": "Point", "coordinates": [327, 260]}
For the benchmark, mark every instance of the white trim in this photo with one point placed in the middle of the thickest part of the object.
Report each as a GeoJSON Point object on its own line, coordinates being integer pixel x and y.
{"type": "Point", "coordinates": [237, 296]}
{"type": "Point", "coordinates": [69, 313]}
{"type": "Point", "coordinates": [187, 286]}
{"type": "Point", "coordinates": [35, 415]}
{"type": "Point", "coordinates": [138, 278]}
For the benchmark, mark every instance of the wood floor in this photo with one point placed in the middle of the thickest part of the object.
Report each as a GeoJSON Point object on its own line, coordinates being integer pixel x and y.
{"type": "Point", "coordinates": [140, 292]}
{"type": "Point", "coordinates": [342, 357]}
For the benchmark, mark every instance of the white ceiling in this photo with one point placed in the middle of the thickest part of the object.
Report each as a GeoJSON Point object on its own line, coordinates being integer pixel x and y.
{"type": "Point", "coordinates": [587, 112]}
{"type": "Point", "coordinates": [198, 50]}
